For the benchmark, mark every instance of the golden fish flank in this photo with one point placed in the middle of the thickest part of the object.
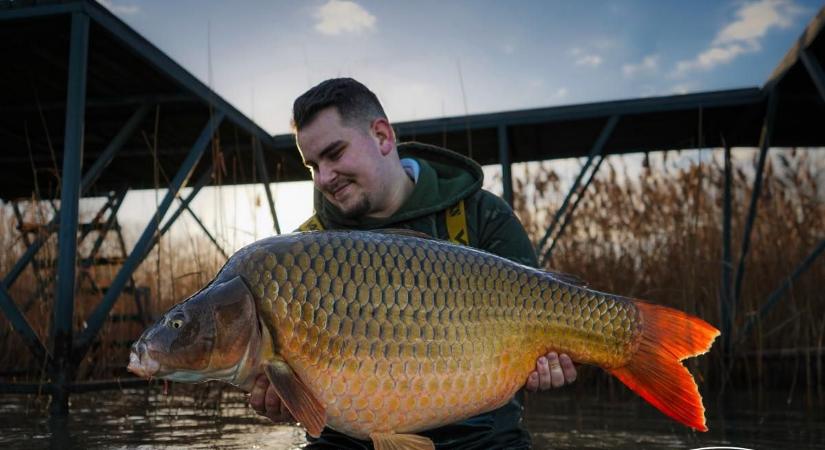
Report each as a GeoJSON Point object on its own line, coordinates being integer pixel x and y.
{"type": "Point", "coordinates": [461, 315]}
{"type": "Point", "coordinates": [381, 335]}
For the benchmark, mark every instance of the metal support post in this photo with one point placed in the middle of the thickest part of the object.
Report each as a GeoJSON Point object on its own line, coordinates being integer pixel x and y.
{"type": "Point", "coordinates": [69, 202]}
{"type": "Point", "coordinates": [727, 266]}
{"type": "Point", "coordinates": [596, 150]}
{"type": "Point", "coordinates": [98, 316]}
{"type": "Point", "coordinates": [506, 167]}
{"type": "Point", "coordinates": [259, 155]}
{"type": "Point", "coordinates": [764, 144]}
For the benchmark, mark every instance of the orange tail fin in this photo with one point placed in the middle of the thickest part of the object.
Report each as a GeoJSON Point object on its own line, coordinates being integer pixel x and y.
{"type": "Point", "coordinates": [655, 371]}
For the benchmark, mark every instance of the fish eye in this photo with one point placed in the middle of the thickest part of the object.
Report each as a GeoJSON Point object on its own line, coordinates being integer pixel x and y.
{"type": "Point", "coordinates": [177, 323]}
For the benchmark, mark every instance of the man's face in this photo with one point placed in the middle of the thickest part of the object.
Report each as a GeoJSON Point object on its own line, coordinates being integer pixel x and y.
{"type": "Point", "coordinates": [345, 161]}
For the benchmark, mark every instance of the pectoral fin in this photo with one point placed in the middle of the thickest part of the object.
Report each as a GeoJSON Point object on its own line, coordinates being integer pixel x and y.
{"type": "Point", "coordinates": [392, 441]}
{"type": "Point", "coordinates": [296, 396]}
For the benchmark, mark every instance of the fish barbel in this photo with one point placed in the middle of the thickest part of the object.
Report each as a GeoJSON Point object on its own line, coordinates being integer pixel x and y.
{"type": "Point", "coordinates": [382, 335]}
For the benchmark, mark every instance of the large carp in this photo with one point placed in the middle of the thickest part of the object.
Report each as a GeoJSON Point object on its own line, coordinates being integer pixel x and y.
{"type": "Point", "coordinates": [382, 335]}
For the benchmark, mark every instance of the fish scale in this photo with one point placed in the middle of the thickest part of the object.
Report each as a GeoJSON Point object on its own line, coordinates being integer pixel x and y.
{"type": "Point", "coordinates": [408, 318]}
{"type": "Point", "coordinates": [382, 335]}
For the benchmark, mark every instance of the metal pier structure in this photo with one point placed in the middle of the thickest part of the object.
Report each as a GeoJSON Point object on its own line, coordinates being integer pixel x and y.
{"type": "Point", "coordinates": [88, 107]}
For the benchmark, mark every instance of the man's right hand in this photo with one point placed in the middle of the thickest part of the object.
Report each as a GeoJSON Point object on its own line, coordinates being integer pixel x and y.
{"type": "Point", "coordinates": [265, 401]}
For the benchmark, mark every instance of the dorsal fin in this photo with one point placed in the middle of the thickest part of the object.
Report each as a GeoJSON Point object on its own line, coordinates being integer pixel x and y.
{"type": "Point", "coordinates": [404, 232]}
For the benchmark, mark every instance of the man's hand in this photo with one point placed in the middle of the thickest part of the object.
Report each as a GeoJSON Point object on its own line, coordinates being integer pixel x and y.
{"type": "Point", "coordinates": [265, 401]}
{"type": "Point", "coordinates": [552, 371]}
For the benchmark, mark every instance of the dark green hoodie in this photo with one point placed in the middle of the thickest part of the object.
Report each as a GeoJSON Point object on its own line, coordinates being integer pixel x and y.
{"type": "Point", "coordinates": [444, 179]}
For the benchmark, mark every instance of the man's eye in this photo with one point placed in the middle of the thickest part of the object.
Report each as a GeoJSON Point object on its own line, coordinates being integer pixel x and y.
{"type": "Point", "coordinates": [335, 155]}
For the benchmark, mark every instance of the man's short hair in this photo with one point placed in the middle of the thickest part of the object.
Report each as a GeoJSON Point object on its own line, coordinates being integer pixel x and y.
{"type": "Point", "coordinates": [354, 102]}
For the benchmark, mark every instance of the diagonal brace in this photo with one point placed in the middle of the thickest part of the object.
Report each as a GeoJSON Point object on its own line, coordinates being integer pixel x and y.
{"type": "Point", "coordinates": [764, 144]}
{"type": "Point", "coordinates": [597, 149]}
{"type": "Point", "coordinates": [98, 316]}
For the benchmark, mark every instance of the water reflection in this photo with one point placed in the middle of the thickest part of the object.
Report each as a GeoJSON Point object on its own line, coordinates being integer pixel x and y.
{"type": "Point", "coordinates": [578, 417]}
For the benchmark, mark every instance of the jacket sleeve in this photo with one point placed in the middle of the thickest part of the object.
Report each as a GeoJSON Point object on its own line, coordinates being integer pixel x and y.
{"type": "Point", "coordinates": [500, 232]}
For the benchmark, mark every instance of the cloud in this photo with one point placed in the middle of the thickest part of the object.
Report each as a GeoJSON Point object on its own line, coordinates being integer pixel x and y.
{"type": "Point", "coordinates": [649, 64]}
{"type": "Point", "coordinates": [341, 16]}
{"type": "Point", "coordinates": [712, 57]}
{"type": "Point", "coordinates": [743, 35]}
{"type": "Point", "coordinates": [120, 8]}
{"type": "Point", "coordinates": [585, 59]}
{"type": "Point", "coordinates": [755, 19]}
{"type": "Point", "coordinates": [589, 60]}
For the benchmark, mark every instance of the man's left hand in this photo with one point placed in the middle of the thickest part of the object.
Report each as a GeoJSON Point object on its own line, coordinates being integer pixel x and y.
{"type": "Point", "coordinates": [552, 371]}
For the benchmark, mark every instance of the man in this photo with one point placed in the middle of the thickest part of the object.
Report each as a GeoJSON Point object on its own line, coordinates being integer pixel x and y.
{"type": "Point", "coordinates": [363, 181]}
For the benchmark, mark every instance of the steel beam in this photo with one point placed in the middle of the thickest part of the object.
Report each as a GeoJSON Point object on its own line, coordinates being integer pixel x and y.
{"type": "Point", "coordinates": [726, 314]}
{"type": "Point", "coordinates": [88, 180]}
{"type": "Point", "coordinates": [206, 231]}
{"type": "Point", "coordinates": [764, 144]}
{"type": "Point", "coordinates": [69, 202]}
{"type": "Point", "coordinates": [117, 201]}
{"type": "Point", "coordinates": [259, 155]}
{"type": "Point", "coordinates": [22, 327]}
{"type": "Point", "coordinates": [29, 12]}
{"type": "Point", "coordinates": [569, 215]}
{"type": "Point", "coordinates": [115, 144]}
{"type": "Point", "coordinates": [597, 149]}
{"type": "Point", "coordinates": [205, 178]}
{"type": "Point", "coordinates": [506, 166]}
{"type": "Point", "coordinates": [156, 58]}
{"type": "Point", "coordinates": [776, 295]}
{"type": "Point", "coordinates": [98, 316]}
{"type": "Point", "coordinates": [92, 103]}
{"type": "Point", "coordinates": [814, 70]}
{"type": "Point", "coordinates": [87, 228]}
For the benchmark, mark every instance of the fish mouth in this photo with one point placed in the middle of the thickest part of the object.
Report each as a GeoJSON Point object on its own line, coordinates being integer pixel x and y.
{"type": "Point", "coordinates": [140, 363]}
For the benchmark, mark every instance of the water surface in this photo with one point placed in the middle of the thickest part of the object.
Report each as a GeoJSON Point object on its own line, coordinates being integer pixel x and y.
{"type": "Point", "coordinates": [573, 418]}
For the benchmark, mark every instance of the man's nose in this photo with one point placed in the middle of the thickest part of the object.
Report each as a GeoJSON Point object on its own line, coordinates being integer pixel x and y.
{"type": "Point", "coordinates": [325, 176]}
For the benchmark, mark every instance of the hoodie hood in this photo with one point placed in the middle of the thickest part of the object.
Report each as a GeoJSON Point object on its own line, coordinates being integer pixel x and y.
{"type": "Point", "coordinates": [445, 178]}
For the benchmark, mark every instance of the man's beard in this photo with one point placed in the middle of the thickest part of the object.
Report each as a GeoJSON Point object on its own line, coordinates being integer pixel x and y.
{"type": "Point", "coordinates": [360, 209]}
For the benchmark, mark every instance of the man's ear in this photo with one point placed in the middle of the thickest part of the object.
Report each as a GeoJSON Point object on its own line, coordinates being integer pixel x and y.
{"type": "Point", "coordinates": [383, 132]}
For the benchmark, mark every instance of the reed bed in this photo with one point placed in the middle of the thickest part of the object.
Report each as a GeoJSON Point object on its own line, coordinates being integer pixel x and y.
{"type": "Point", "coordinates": [650, 231]}
{"type": "Point", "coordinates": [654, 232]}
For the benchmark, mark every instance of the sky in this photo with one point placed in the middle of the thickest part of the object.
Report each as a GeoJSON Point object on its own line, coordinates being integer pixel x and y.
{"type": "Point", "coordinates": [427, 59]}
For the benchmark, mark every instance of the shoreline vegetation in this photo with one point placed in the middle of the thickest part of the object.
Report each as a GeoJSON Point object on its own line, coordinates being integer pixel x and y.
{"type": "Point", "coordinates": [650, 230]}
